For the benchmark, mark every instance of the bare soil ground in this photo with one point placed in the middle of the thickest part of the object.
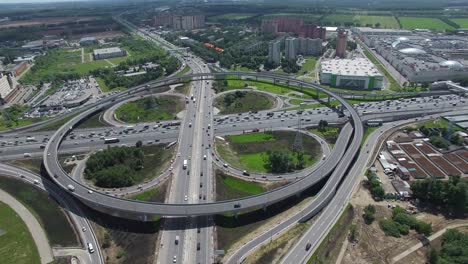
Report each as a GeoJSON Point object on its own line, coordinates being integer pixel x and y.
{"type": "Point", "coordinates": [373, 246]}
{"type": "Point", "coordinates": [45, 21]}
{"type": "Point", "coordinates": [101, 35]}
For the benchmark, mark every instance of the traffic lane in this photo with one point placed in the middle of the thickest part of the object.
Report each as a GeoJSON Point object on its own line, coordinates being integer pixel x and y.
{"type": "Point", "coordinates": [12, 152]}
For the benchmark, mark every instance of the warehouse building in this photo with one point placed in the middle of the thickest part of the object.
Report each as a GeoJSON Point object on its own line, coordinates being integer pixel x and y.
{"type": "Point", "coordinates": [100, 54]}
{"type": "Point", "coordinates": [87, 41]}
{"type": "Point", "coordinates": [357, 73]}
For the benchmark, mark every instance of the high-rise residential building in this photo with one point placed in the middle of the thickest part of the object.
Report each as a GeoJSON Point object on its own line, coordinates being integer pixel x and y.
{"type": "Point", "coordinates": [312, 31]}
{"type": "Point", "coordinates": [292, 25]}
{"type": "Point", "coordinates": [309, 46]}
{"type": "Point", "coordinates": [291, 48]}
{"type": "Point", "coordinates": [341, 40]}
{"type": "Point", "coordinates": [180, 22]}
{"type": "Point", "coordinates": [274, 51]}
{"type": "Point", "coordinates": [269, 26]}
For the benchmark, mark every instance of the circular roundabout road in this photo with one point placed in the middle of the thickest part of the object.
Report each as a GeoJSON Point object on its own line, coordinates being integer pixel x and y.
{"type": "Point", "coordinates": [336, 165]}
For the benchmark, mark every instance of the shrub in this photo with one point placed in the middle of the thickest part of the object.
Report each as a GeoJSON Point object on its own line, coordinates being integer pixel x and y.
{"type": "Point", "coordinates": [389, 227]}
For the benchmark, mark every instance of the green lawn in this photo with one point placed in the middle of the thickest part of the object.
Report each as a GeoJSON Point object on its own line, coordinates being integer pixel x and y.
{"type": "Point", "coordinates": [385, 21]}
{"type": "Point", "coordinates": [270, 87]}
{"type": "Point", "coordinates": [21, 122]}
{"type": "Point", "coordinates": [249, 151]}
{"type": "Point", "coordinates": [229, 187]}
{"type": "Point", "coordinates": [150, 109]}
{"type": "Point", "coordinates": [367, 132]}
{"type": "Point", "coordinates": [250, 101]}
{"type": "Point", "coordinates": [462, 22]}
{"type": "Point", "coordinates": [16, 243]}
{"type": "Point", "coordinates": [185, 70]}
{"type": "Point", "coordinates": [393, 84]}
{"type": "Point", "coordinates": [423, 23]}
{"type": "Point", "coordinates": [251, 137]}
{"type": "Point", "coordinates": [46, 210]}
{"type": "Point", "coordinates": [296, 101]}
{"type": "Point", "coordinates": [308, 65]}
{"type": "Point", "coordinates": [157, 194]}
{"type": "Point", "coordinates": [255, 162]}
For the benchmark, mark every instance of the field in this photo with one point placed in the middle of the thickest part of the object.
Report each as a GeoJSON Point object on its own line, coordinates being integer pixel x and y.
{"type": "Point", "coordinates": [249, 151]}
{"type": "Point", "coordinates": [232, 16]}
{"type": "Point", "coordinates": [251, 101]}
{"type": "Point", "coordinates": [16, 243]}
{"type": "Point", "coordinates": [150, 109]}
{"type": "Point", "coordinates": [310, 18]}
{"type": "Point", "coordinates": [47, 211]}
{"type": "Point", "coordinates": [462, 22]}
{"type": "Point", "coordinates": [385, 21]}
{"type": "Point", "coordinates": [423, 22]}
{"type": "Point", "coordinates": [59, 64]}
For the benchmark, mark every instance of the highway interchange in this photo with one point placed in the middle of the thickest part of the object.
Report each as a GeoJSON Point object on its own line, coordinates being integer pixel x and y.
{"type": "Point", "coordinates": [196, 131]}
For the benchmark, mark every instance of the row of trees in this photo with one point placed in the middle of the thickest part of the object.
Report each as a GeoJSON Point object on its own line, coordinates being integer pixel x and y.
{"type": "Point", "coordinates": [451, 195]}
{"type": "Point", "coordinates": [115, 167]}
{"type": "Point", "coordinates": [375, 186]}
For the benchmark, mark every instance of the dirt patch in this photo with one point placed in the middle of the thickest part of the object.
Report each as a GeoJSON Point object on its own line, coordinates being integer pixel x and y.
{"type": "Point", "coordinates": [125, 241]}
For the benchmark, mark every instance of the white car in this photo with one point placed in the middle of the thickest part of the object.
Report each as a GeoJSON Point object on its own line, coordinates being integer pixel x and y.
{"type": "Point", "coordinates": [185, 198]}
{"type": "Point", "coordinates": [90, 191]}
{"type": "Point", "coordinates": [174, 259]}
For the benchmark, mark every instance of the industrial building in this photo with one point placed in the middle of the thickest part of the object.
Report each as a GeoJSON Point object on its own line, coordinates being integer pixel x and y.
{"type": "Point", "coordinates": [420, 57]}
{"type": "Point", "coordinates": [100, 54]}
{"type": "Point", "coordinates": [357, 73]}
{"type": "Point", "coordinates": [274, 51]}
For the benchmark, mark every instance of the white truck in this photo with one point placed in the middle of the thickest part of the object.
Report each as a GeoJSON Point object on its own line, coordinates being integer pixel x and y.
{"type": "Point", "coordinates": [185, 164]}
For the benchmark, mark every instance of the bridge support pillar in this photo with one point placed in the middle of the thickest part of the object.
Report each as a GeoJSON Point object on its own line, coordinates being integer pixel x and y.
{"type": "Point", "coordinates": [236, 214]}
{"type": "Point", "coordinates": [328, 100]}
{"type": "Point", "coordinates": [317, 93]}
{"type": "Point", "coordinates": [264, 208]}
{"type": "Point", "coordinates": [301, 86]}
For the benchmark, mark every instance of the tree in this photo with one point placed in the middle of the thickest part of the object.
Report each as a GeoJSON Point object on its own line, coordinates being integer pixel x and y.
{"type": "Point", "coordinates": [139, 144]}
{"type": "Point", "coordinates": [322, 125]}
{"type": "Point", "coordinates": [377, 25]}
{"type": "Point", "coordinates": [280, 161]}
